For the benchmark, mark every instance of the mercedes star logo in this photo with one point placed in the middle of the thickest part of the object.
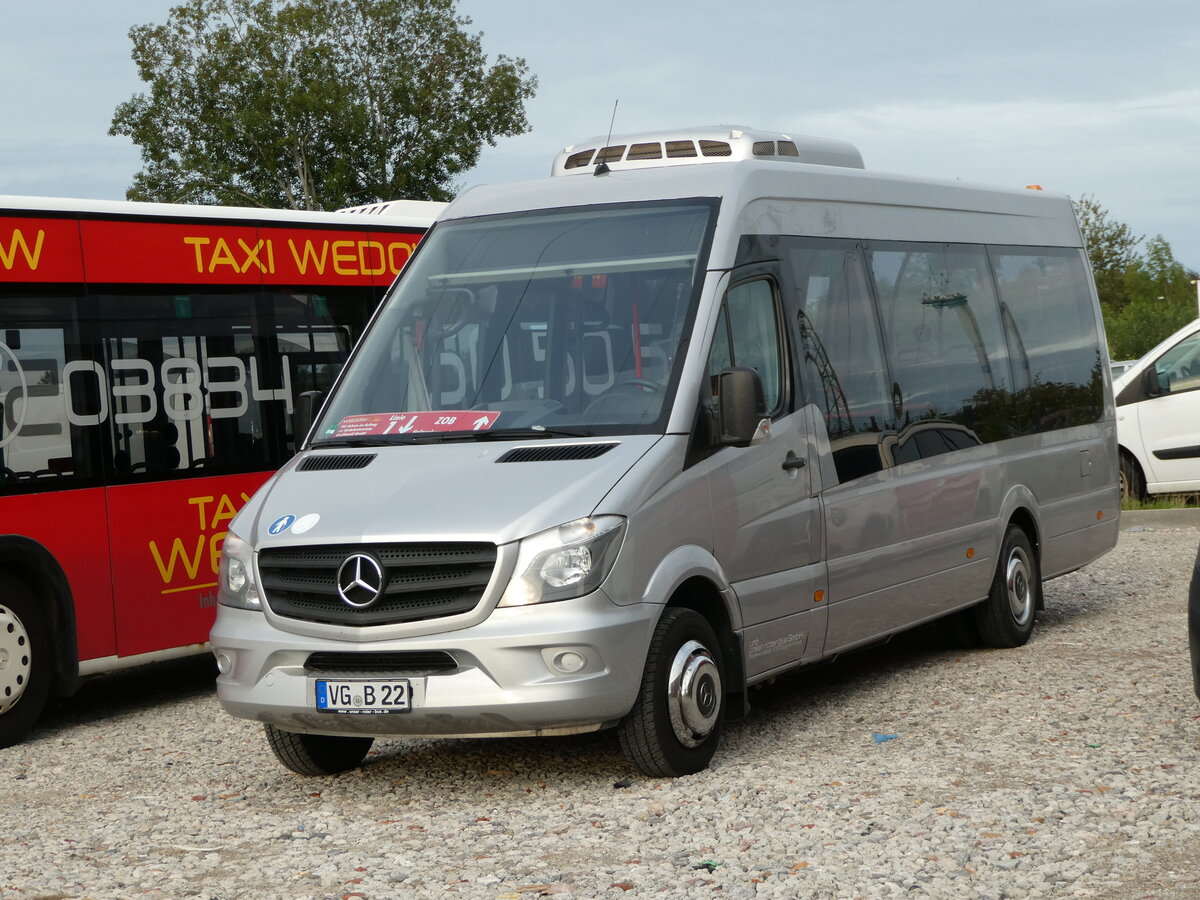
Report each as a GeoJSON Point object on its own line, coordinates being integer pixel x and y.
{"type": "Point", "coordinates": [360, 580]}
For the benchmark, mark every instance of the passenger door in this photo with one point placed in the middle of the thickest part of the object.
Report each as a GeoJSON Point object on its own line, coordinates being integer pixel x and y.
{"type": "Point", "coordinates": [766, 521]}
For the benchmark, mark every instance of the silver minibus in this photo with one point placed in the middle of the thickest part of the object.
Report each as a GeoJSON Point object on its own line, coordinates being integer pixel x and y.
{"type": "Point", "coordinates": [702, 407]}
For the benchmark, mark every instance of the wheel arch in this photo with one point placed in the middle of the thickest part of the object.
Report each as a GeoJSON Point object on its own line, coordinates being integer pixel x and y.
{"type": "Point", "coordinates": [26, 559]}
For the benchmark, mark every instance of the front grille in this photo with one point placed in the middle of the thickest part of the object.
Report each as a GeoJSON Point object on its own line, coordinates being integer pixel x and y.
{"type": "Point", "coordinates": [399, 662]}
{"type": "Point", "coordinates": [420, 581]}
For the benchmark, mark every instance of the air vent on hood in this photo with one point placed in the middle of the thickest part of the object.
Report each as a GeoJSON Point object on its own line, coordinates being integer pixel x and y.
{"type": "Point", "coordinates": [333, 462]}
{"type": "Point", "coordinates": [555, 453]}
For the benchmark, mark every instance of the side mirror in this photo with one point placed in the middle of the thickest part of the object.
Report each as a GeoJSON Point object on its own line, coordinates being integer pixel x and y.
{"type": "Point", "coordinates": [741, 407]}
{"type": "Point", "coordinates": [308, 404]}
{"type": "Point", "coordinates": [1151, 386]}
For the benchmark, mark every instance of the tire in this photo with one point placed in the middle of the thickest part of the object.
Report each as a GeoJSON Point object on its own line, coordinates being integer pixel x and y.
{"type": "Point", "coordinates": [317, 754]}
{"type": "Point", "coordinates": [675, 723]}
{"type": "Point", "coordinates": [1133, 482]}
{"type": "Point", "coordinates": [1006, 618]}
{"type": "Point", "coordinates": [26, 660]}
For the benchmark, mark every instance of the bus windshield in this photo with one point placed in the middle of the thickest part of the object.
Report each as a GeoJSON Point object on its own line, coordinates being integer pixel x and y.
{"type": "Point", "coordinates": [551, 322]}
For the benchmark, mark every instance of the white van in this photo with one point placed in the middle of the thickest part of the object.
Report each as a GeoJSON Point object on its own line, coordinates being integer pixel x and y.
{"type": "Point", "coordinates": [702, 407]}
{"type": "Point", "coordinates": [1158, 418]}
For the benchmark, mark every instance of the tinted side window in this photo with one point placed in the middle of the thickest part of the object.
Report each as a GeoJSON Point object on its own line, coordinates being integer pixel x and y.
{"type": "Point", "coordinates": [1050, 323]}
{"type": "Point", "coordinates": [205, 383]}
{"type": "Point", "coordinates": [945, 342]}
{"type": "Point", "coordinates": [50, 398]}
{"type": "Point", "coordinates": [845, 373]}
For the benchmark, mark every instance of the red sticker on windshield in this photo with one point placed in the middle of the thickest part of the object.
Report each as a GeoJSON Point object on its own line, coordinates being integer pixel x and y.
{"type": "Point", "coordinates": [380, 424]}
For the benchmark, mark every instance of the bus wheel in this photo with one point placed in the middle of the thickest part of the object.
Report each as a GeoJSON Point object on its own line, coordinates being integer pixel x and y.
{"type": "Point", "coordinates": [675, 723]}
{"type": "Point", "coordinates": [25, 660]}
{"type": "Point", "coordinates": [1133, 482]}
{"type": "Point", "coordinates": [317, 754]}
{"type": "Point", "coordinates": [1005, 619]}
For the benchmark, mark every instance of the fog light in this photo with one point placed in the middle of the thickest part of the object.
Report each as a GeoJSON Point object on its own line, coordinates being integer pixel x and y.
{"type": "Point", "coordinates": [569, 662]}
{"type": "Point", "coordinates": [224, 662]}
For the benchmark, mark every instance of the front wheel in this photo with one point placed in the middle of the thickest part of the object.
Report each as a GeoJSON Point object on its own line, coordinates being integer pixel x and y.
{"type": "Point", "coordinates": [25, 660]}
{"type": "Point", "coordinates": [317, 754]}
{"type": "Point", "coordinates": [1133, 482]}
{"type": "Point", "coordinates": [1005, 619]}
{"type": "Point", "coordinates": [675, 723]}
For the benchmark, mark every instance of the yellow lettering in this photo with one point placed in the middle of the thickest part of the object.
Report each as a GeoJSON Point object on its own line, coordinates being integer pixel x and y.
{"type": "Point", "coordinates": [375, 265]}
{"type": "Point", "coordinates": [18, 240]}
{"type": "Point", "coordinates": [252, 255]}
{"type": "Point", "coordinates": [343, 252]}
{"type": "Point", "coordinates": [214, 550]}
{"type": "Point", "coordinates": [310, 255]}
{"type": "Point", "coordinates": [396, 261]}
{"type": "Point", "coordinates": [200, 501]}
{"type": "Point", "coordinates": [198, 242]}
{"type": "Point", "coordinates": [224, 513]}
{"type": "Point", "coordinates": [270, 256]}
{"type": "Point", "coordinates": [222, 256]}
{"type": "Point", "coordinates": [178, 554]}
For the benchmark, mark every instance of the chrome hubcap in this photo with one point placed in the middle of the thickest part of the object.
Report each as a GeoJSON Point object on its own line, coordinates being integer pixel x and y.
{"type": "Point", "coordinates": [694, 694]}
{"type": "Point", "coordinates": [15, 659]}
{"type": "Point", "coordinates": [1020, 592]}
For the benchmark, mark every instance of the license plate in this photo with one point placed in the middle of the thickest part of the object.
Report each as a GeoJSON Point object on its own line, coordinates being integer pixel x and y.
{"type": "Point", "coordinates": [364, 697]}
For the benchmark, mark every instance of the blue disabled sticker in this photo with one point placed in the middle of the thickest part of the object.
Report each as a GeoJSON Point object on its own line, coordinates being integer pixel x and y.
{"type": "Point", "coordinates": [280, 525]}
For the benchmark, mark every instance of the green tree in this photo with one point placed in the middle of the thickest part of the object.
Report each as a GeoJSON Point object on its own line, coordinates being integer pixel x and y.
{"type": "Point", "coordinates": [1112, 249]}
{"type": "Point", "coordinates": [315, 104]}
{"type": "Point", "coordinates": [1160, 299]}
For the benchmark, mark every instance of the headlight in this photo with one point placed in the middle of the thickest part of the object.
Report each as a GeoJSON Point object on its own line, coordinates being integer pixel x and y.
{"type": "Point", "coordinates": [235, 576]}
{"type": "Point", "coordinates": [565, 562]}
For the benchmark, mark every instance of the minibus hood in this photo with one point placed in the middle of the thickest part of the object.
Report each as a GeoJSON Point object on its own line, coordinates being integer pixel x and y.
{"type": "Point", "coordinates": [436, 492]}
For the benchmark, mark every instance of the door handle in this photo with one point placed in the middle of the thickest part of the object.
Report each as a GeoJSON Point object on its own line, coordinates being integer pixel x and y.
{"type": "Point", "coordinates": [793, 462]}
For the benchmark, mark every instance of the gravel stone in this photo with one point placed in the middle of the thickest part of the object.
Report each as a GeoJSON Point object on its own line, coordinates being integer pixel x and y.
{"type": "Point", "coordinates": [1066, 768]}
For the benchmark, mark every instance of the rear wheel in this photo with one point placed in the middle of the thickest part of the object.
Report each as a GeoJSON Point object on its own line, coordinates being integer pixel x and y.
{"type": "Point", "coordinates": [1006, 618]}
{"type": "Point", "coordinates": [26, 669]}
{"type": "Point", "coordinates": [674, 726]}
{"type": "Point", "coordinates": [317, 754]}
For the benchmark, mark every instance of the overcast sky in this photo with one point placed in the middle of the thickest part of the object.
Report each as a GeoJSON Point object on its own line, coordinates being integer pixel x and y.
{"type": "Point", "coordinates": [1082, 96]}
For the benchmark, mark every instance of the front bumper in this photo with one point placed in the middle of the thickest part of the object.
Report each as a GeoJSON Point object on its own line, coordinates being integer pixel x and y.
{"type": "Point", "coordinates": [504, 683]}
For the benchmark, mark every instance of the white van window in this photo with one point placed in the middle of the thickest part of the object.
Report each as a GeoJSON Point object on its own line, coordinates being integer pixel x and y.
{"type": "Point", "coordinates": [1178, 369]}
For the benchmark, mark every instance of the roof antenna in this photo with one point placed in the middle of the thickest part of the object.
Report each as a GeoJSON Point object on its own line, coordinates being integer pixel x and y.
{"type": "Point", "coordinates": [602, 168]}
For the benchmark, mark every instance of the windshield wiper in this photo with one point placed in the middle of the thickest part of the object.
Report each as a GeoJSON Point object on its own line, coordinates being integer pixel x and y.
{"type": "Point", "coordinates": [533, 432]}
{"type": "Point", "coordinates": [351, 442]}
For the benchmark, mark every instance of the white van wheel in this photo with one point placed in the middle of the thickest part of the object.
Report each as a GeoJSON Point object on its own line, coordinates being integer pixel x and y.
{"type": "Point", "coordinates": [317, 754]}
{"type": "Point", "coordinates": [25, 660]}
{"type": "Point", "coordinates": [1133, 482]}
{"type": "Point", "coordinates": [1006, 618]}
{"type": "Point", "coordinates": [675, 723]}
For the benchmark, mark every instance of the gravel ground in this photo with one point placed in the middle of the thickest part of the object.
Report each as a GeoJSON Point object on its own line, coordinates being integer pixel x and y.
{"type": "Point", "coordinates": [1067, 768]}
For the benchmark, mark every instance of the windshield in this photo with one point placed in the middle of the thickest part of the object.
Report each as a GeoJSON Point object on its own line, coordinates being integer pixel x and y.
{"type": "Point", "coordinates": [566, 321]}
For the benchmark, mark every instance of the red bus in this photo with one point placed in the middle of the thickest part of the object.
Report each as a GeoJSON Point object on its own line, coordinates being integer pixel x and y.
{"type": "Point", "coordinates": [150, 358]}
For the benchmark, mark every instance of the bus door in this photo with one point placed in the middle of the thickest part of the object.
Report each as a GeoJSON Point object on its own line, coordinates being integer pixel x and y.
{"type": "Point", "coordinates": [199, 402]}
